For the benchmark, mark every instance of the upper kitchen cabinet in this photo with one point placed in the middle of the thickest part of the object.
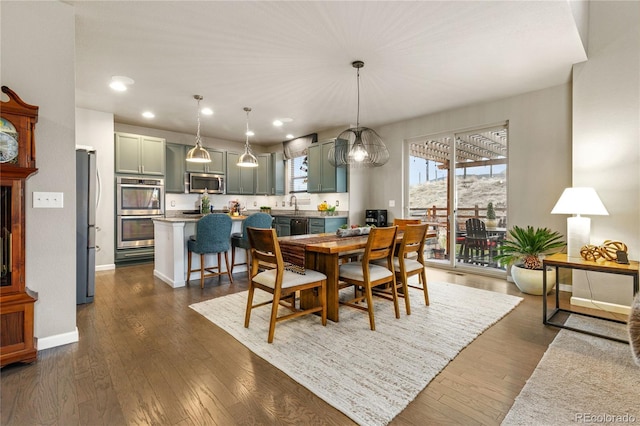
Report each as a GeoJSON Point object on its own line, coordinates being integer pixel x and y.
{"type": "Point", "coordinates": [216, 166]}
{"type": "Point", "coordinates": [322, 176]}
{"type": "Point", "coordinates": [139, 155]}
{"type": "Point", "coordinates": [174, 179]}
{"type": "Point", "coordinates": [240, 180]}
{"type": "Point", "coordinates": [270, 174]}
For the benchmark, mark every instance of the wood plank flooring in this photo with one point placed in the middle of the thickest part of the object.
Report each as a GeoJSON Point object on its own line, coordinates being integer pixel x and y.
{"type": "Point", "coordinates": [144, 357]}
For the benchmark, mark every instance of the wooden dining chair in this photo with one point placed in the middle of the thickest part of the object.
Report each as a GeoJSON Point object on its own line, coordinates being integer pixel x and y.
{"type": "Point", "coordinates": [366, 274]}
{"type": "Point", "coordinates": [280, 283]}
{"type": "Point", "coordinates": [408, 262]}
{"type": "Point", "coordinates": [402, 223]}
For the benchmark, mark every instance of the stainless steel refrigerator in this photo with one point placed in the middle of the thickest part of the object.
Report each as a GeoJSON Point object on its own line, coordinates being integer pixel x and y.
{"type": "Point", "coordinates": [86, 175]}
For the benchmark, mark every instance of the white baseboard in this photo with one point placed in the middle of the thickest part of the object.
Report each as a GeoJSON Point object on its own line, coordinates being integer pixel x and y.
{"type": "Point", "coordinates": [603, 306]}
{"type": "Point", "coordinates": [57, 340]}
{"type": "Point", "coordinates": [106, 267]}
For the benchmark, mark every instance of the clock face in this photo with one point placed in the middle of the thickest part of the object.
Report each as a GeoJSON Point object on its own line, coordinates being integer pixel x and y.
{"type": "Point", "coordinates": [8, 148]}
{"type": "Point", "coordinates": [8, 142]}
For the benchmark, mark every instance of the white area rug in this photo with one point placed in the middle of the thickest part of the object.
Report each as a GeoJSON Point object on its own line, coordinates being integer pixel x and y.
{"type": "Point", "coordinates": [368, 375]}
{"type": "Point", "coordinates": [581, 379]}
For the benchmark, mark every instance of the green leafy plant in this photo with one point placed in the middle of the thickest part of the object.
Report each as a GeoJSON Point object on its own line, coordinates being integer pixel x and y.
{"type": "Point", "coordinates": [527, 244]}
{"type": "Point", "coordinates": [491, 213]}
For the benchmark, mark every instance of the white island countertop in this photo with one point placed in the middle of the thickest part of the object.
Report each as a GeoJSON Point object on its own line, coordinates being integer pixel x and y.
{"type": "Point", "coordinates": [170, 248]}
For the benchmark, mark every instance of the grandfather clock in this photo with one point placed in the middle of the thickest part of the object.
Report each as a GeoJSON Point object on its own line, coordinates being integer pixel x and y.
{"type": "Point", "coordinates": [17, 162]}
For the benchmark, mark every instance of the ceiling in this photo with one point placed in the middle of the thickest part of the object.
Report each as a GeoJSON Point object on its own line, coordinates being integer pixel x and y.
{"type": "Point", "coordinates": [293, 60]}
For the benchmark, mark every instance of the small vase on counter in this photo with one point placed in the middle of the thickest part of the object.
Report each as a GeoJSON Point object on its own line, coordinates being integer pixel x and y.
{"type": "Point", "coordinates": [204, 203]}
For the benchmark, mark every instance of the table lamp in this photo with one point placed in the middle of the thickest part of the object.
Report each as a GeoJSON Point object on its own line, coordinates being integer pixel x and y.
{"type": "Point", "coordinates": [578, 201]}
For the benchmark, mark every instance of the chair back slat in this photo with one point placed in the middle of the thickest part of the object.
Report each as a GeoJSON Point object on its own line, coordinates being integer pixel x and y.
{"type": "Point", "coordinates": [380, 244]}
{"type": "Point", "coordinates": [475, 228]}
{"type": "Point", "coordinates": [413, 241]}
{"type": "Point", "coordinates": [264, 247]}
{"type": "Point", "coordinates": [402, 223]}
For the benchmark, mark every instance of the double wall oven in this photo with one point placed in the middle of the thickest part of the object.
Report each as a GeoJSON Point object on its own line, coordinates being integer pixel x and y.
{"type": "Point", "coordinates": [139, 201]}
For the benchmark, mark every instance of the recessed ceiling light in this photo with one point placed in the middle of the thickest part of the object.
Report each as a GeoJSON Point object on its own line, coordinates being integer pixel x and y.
{"type": "Point", "coordinates": [148, 114]}
{"type": "Point", "coordinates": [289, 136]}
{"type": "Point", "coordinates": [277, 123]}
{"type": "Point", "coordinates": [207, 111]}
{"type": "Point", "coordinates": [120, 83]}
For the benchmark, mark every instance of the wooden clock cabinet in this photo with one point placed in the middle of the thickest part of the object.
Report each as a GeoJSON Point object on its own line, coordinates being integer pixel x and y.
{"type": "Point", "coordinates": [17, 163]}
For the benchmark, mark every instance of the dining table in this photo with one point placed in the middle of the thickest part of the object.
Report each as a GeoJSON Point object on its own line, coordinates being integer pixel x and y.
{"type": "Point", "coordinates": [324, 253]}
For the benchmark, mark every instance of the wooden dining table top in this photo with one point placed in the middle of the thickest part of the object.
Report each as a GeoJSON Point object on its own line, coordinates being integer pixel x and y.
{"type": "Point", "coordinates": [337, 245]}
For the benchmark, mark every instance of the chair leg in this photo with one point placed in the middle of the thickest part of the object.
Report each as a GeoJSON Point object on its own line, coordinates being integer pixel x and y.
{"type": "Point", "coordinates": [394, 291]}
{"type": "Point", "coordinates": [405, 290]}
{"type": "Point", "coordinates": [425, 289]}
{"type": "Point", "coordinates": [323, 302]}
{"type": "Point", "coordinates": [369, 297]}
{"type": "Point", "coordinates": [219, 266]}
{"type": "Point", "coordinates": [188, 267]}
{"type": "Point", "coordinates": [274, 316]}
{"type": "Point", "coordinates": [201, 270]}
{"type": "Point", "coordinates": [233, 258]}
{"type": "Point", "coordinates": [226, 262]}
{"type": "Point", "coordinates": [247, 314]}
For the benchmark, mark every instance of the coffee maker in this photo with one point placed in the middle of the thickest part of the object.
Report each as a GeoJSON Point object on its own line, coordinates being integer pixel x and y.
{"type": "Point", "coordinates": [376, 217]}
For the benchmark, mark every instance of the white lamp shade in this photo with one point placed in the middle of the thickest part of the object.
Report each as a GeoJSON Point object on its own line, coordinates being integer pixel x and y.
{"type": "Point", "coordinates": [580, 201]}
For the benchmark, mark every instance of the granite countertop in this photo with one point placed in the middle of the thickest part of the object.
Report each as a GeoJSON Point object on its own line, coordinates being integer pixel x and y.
{"type": "Point", "coordinates": [191, 218]}
{"type": "Point", "coordinates": [182, 215]}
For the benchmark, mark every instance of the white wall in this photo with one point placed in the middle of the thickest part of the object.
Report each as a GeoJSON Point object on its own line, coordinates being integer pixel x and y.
{"type": "Point", "coordinates": [606, 136]}
{"type": "Point", "coordinates": [38, 63]}
{"type": "Point", "coordinates": [95, 129]}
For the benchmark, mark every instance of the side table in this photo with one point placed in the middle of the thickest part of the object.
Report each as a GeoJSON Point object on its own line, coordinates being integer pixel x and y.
{"type": "Point", "coordinates": [560, 260]}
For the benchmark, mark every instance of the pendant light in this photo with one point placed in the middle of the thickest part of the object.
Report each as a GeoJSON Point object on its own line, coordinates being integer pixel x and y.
{"type": "Point", "coordinates": [247, 159]}
{"type": "Point", "coordinates": [358, 146]}
{"type": "Point", "coordinates": [198, 154]}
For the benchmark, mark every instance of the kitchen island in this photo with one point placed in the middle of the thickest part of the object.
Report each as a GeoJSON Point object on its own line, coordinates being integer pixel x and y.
{"type": "Point", "coordinates": [170, 249]}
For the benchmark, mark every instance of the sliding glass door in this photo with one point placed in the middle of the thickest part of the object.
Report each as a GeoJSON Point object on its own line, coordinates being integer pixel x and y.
{"type": "Point", "coordinates": [458, 184]}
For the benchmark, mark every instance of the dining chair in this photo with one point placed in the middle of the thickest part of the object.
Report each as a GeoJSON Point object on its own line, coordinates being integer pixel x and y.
{"type": "Point", "coordinates": [401, 223]}
{"type": "Point", "coordinates": [409, 262]}
{"type": "Point", "coordinates": [366, 274]}
{"type": "Point", "coordinates": [479, 245]}
{"type": "Point", "coordinates": [212, 237]}
{"type": "Point", "coordinates": [279, 282]}
{"type": "Point", "coordinates": [241, 239]}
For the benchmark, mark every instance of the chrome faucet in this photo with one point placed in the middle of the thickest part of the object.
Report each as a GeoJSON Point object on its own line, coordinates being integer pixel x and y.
{"type": "Point", "coordinates": [293, 201]}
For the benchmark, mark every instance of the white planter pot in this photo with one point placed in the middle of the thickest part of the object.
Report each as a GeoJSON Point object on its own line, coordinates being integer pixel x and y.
{"type": "Point", "coordinates": [530, 280]}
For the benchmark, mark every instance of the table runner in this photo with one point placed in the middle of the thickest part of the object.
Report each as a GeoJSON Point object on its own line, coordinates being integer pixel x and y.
{"type": "Point", "coordinates": [293, 251]}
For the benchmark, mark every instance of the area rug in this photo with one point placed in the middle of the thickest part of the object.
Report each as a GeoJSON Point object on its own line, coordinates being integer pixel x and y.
{"type": "Point", "coordinates": [368, 375]}
{"type": "Point", "coordinates": [581, 379]}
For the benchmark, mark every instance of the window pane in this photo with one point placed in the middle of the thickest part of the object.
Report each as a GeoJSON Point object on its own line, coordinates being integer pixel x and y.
{"type": "Point", "coordinates": [298, 174]}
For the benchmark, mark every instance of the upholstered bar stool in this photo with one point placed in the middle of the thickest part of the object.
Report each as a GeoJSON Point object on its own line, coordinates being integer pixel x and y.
{"type": "Point", "coordinates": [212, 237]}
{"type": "Point", "coordinates": [241, 240]}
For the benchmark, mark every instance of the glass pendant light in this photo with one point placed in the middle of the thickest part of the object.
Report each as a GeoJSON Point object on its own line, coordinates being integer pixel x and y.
{"type": "Point", "coordinates": [247, 159]}
{"type": "Point", "coordinates": [358, 146]}
{"type": "Point", "coordinates": [198, 154]}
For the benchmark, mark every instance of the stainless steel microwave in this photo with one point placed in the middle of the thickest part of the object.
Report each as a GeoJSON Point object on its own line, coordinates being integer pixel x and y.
{"type": "Point", "coordinates": [199, 182]}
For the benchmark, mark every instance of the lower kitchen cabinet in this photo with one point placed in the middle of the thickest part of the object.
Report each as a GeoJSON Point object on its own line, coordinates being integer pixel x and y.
{"type": "Point", "coordinates": [283, 226]}
{"type": "Point", "coordinates": [326, 224]}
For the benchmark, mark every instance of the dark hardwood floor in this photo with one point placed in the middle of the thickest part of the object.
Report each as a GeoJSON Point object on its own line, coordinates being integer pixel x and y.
{"type": "Point", "coordinates": [144, 357]}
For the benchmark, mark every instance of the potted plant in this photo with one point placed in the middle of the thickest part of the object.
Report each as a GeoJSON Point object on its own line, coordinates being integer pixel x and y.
{"type": "Point", "coordinates": [522, 250]}
{"type": "Point", "coordinates": [491, 216]}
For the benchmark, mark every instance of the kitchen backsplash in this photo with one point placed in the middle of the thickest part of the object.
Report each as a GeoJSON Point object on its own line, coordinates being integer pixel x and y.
{"type": "Point", "coordinates": [305, 201]}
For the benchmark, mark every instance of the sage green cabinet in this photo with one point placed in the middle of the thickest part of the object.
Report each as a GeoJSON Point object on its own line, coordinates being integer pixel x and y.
{"type": "Point", "coordinates": [175, 169]}
{"type": "Point", "coordinates": [322, 176]}
{"type": "Point", "coordinates": [270, 174]}
{"type": "Point", "coordinates": [240, 180]}
{"type": "Point", "coordinates": [139, 155]}
{"type": "Point", "coordinates": [216, 166]}
{"type": "Point", "coordinates": [326, 224]}
{"type": "Point", "coordinates": [283, 226]}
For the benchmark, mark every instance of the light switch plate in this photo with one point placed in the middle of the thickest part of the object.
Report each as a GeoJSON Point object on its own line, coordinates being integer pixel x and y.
{"type": "Point", "coordinates": [48, 200]}
{"type": "Point", "coordinates": [392, 203]}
